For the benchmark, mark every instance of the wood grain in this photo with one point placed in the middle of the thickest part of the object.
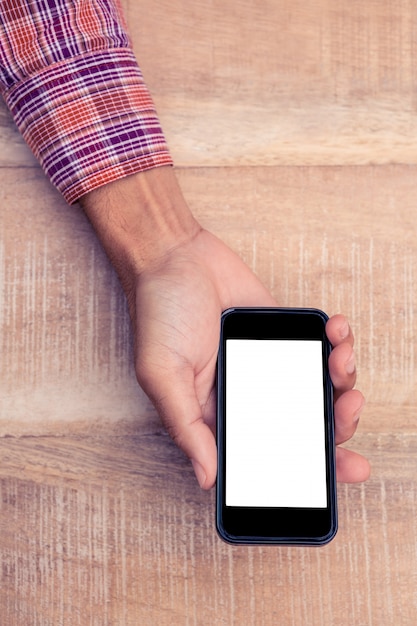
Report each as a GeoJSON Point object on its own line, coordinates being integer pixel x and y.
{"type": "Point", "coordinates": [66, 343]}
{"type": "Point", "coordinates": [275, 82]}
{"type": "Point", "coordinates": [94, 533]}
{"type": "Point", "coordinates": [279, 83]}
{"type": "Point", "coordinates": [293, 127]}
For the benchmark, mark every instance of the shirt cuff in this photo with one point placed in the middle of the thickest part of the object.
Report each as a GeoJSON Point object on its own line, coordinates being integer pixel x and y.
{"type": "Point", "coordinates": [89, 121]}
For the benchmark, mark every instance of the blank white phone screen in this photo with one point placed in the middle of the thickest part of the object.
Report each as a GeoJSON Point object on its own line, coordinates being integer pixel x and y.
{"type": "Point", "coordinates": [275, 434]}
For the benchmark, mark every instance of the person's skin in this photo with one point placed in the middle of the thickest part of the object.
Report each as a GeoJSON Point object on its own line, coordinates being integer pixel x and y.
{"type": "Point", "coordinates": [178, 278]}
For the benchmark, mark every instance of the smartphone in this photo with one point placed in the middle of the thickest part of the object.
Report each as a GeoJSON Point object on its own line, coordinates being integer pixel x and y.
{"type": "Point", "coordinates": [275, 428]}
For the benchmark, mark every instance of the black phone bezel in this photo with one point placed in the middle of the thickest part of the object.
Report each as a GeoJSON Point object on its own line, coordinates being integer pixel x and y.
{"type": "Point", "coordinates": [261, 525]}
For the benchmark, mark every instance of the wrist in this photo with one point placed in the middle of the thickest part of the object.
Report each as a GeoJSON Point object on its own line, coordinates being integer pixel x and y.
{"type": "Point", "coordinates": [139, 219]}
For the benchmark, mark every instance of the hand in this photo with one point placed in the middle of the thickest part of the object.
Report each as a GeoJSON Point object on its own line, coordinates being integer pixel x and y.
{"type": "Point", "coordinates": [178, 304]}
{"type": "Point", "coordinates": [178, 278]}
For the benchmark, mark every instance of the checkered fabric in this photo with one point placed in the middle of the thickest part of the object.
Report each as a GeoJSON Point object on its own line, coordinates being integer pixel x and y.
{"type": "Point", "coordinates": [71, 81]}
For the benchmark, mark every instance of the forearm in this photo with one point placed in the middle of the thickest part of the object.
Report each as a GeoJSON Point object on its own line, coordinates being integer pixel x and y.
{"type": "Point", "coordinates": [139, 219]}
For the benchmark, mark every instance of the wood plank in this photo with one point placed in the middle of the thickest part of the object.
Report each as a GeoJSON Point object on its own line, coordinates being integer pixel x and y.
{"type": "Point", "coordinates": [280, 83]}
{"type": "Point", "coordinates": [274, 83]}
{"type": "Point", "coordinates": [342, 239]}
{"type": "Point", "coordinates": [114, 530]}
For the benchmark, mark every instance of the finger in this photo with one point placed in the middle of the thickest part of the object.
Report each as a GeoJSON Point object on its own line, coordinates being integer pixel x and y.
{"type": "Point", "coordinates": [342, 367]}
{"type": "Point", "coordinates": [351, 467]}
{"type": "Point", "coordinates": [347, 410]}
{"type": "Point", "coordinates": [173, 395]}
{"type": "Point", "coordinates": [209, 410]}
{"type": "Point", "coordinates": [338, 330]}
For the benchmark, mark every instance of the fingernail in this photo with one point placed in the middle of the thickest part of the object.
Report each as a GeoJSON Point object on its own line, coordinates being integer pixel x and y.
{"type": "Point", "coordinates": [358, 413]}
{"type": "Point", "coordinates": [344, 330]}
{"type": "Point", "coordinates": [350, 365]}
{"type": "Point", "coordinates": [199, 473]}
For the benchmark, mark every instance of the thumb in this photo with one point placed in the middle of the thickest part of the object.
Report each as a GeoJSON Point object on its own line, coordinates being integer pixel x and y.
{"type": "Point", "coordinates": [174, 397]}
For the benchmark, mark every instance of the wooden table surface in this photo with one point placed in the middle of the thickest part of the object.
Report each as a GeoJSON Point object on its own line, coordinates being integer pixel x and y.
{"type": "Point", "coordinates": [293, 126]}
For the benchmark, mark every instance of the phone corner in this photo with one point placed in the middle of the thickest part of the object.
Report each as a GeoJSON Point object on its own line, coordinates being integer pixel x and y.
{"type": "Point", "coordinates": [324, 541]}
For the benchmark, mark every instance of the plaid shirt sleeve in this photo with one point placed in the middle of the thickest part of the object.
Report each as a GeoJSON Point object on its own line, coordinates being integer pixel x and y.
{"type": "Point", "coordinates": [71, 81]}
